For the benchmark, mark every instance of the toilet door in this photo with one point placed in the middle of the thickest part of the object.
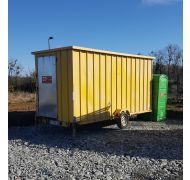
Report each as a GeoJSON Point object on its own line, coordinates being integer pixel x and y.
{"type": "Point", "coordinates": [47, 86]}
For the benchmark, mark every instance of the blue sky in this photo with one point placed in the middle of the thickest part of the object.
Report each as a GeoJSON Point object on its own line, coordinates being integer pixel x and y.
{"type": "Point", "coordinates": [130, 26]}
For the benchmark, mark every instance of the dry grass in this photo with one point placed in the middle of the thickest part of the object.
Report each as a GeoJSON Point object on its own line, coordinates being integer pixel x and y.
{"type": "Point", "coordinates": [22, 101]}
{"type": "Point", "coordinates": [178, 107]}
{"type": "Point", "coordinates": [19, 97]}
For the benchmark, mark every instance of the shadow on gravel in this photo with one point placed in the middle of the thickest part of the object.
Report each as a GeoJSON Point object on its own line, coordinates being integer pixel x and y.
{"type": "Point", "coordinates": [21, 118]}
{"type": "Point", "coordinates": [174, 122]}
{"type": "Point", "coordinates": [156, 144]}
{"type": "Point", "coordinates": [173, 118]}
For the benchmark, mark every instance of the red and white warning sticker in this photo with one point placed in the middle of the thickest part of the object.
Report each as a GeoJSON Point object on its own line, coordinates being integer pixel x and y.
{"type": "Point", "coordinates": [47, 79]}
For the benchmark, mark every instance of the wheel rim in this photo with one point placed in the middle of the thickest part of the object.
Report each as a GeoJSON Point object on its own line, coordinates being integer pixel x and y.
{"type": "Point", "coordinates": [123, 120]}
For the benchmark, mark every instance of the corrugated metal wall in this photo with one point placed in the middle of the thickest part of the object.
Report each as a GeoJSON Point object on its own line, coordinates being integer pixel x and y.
{"type": "Point", "coordinates": [93, 85]}
{"type": "Point", "coordinates": [64, 86]}
{"type": "Point", "coordinates": [101, 80]}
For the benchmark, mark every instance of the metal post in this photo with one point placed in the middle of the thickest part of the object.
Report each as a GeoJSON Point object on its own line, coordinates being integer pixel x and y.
{"type": "Point", "coordinates": [49, 42]}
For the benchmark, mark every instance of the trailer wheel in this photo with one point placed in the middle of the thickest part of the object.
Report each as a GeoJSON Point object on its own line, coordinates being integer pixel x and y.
{"type": "Point", "coordinates": [123, 120]}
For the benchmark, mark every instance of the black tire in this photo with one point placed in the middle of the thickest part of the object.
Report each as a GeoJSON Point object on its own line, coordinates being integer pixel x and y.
{"type": "Point", "coordinates": [123, 121]}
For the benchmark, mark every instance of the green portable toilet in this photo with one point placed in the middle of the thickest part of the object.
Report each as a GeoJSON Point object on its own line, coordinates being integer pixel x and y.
{"type": "Point", "coordinates": [159, 96]}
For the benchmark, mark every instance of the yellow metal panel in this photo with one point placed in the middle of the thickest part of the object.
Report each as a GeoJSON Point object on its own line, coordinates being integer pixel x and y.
{"type": "Point", "coordinates": [83, 84]}
{"type": "Point", "coordinates": [151, 64]}
{"type": "Point", "coordinates": [96, 83]}
{"type": "Point", "coordinates": [149, 83]}
{"type": "Point", "coordinates": [133, 83]}
{"type": "Point", "coordinates": [129, 73]}
{"type": "Point", "coordinates": [59, 92]}
{"type": "Point", "coordinates": [114, 87]}
{"type": "Point", "coordinates": [145, 84]}
{"type": "Point", "coordinates": [108, 83]}
{"type": "Point", "coordinates": [124, 83]}
{"type": "Point", "coordinates": [76, 85]}
{"type": "Point", "coordinates": [90, 82]}
{"type": "Point", "coordinates": [141, 69]}
{"type": "Point", "coordinates": [70, 85]}
{"type": "Point", "coordinates": [64, 78]}
{"type": "Point", "coordinates": [137, 86]}
{"type": "Point", "coordinates": [102, 86]}
{"type": "Point", "coordinates": [118, 86]}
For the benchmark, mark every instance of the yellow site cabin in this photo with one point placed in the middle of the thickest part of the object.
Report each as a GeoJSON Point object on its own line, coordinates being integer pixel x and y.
{"type": "Point", "coordinates": [82, 85]}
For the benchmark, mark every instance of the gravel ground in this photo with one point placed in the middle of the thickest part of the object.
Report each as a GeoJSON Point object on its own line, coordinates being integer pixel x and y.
{"type": "Point", "coordinates": [145, 150]}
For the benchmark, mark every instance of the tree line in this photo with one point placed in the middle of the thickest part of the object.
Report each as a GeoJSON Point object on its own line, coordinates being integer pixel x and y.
{"type": "Point", "coordinates": [168, 60]}
{"type": "Point", "coordinates": [18, 82]}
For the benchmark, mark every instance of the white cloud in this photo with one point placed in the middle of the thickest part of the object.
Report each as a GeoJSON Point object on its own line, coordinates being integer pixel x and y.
{"type": "Point", "coordinates": [159, 2]}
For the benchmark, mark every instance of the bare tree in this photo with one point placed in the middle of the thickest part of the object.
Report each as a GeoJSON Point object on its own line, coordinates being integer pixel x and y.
{"type": "Point", "coordinates": [174, 59]}
{"type": "Point", "coordinates": [178, 72]}
{"type": "Point", "coordinates": [14, 70]}
{"type": "Point", "coordinates": [171, 53]}
{"type": "Point", "coordinates": [11, 67]}
{"type": "Point", "coordinates": [159, 61]}
{"type": "Point", "coordinates": [170, 61]}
